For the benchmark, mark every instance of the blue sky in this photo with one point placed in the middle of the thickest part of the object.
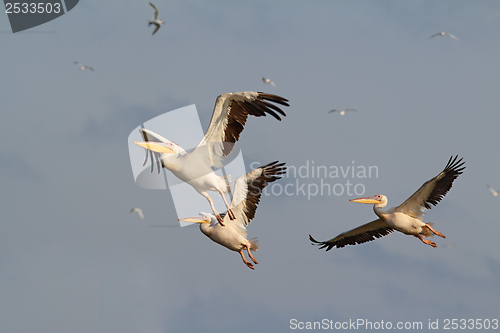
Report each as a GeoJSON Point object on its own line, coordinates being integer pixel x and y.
{"type": "Point", "coordinates": [72, 257]}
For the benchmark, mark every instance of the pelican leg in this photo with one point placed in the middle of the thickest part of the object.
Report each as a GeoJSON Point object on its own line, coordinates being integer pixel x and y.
{"type": "Point", "coordinates": [249, 264]}
{"type": "Point", "coordinates": [437, 233]}
{"type": "Point", "coordinates": [229, 212]}
{"type": "Point", "coordinates": [216, 213]}
{"type": "Point", "coordinates": [250, 255]}
{"type": "Point", "coordinates": [426, 241]}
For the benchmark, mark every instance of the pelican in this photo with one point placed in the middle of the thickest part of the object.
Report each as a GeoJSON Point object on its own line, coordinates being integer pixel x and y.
{"type": "Point", "coordinates": [195, 168]}
{"type": "Point", "coordinates": [341, 112]}
{"type": "Point", "coordinates": [268, 81]}
{"type": "Point", "coordinates": [493, 192]}
{"type": "Point", "coordinates": [83, 67]}
{"type": "Point", "coordinates": [407, 217]}
{"type": "Point", "coordinates": [138, 211]}
{"type": "Point", "coordinates": [442, 34]}
{"type": "Point", "coordinates": [156, 20]}
{"type": "Point", "coordinates": [247, 193]}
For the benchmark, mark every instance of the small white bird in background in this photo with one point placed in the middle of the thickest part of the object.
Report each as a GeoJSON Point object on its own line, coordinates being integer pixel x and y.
{"type": "Point", "coordinates": [406, 218]}
{"type": "Point", "coordinates": [138, 211]}
{"type": "Point", "coordinates": [442, 34]}
{"type": "Point", "coordinates": [493, 192]}
{"type": "Point", "coordinates": [83, 67]}
{"type": "Point", "coordinates": [156, 20]}
{"type": "Point", "coordinates": [341, 112]}
{"type": "Point", "coordinates": [268, 82]}
{"type": "Point", "coordinates": [247, 192]}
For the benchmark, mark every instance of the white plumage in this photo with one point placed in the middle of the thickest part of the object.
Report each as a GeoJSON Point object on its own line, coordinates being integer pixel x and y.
{"type": "Point", "coordinates": [406, 218]}
{"type": "Point", "coordinates": [228, 119]}
{"type": "Point", "coordinates": [247, 192]}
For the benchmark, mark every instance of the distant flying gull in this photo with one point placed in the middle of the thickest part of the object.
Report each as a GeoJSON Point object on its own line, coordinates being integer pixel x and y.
{"type": "Point", "coordinates": [138, 211]}
{"type": "Point", "coordinates": [156, 20]}
{"type": "Point", "coordinates": [83, 67]}
{"type": "Point", "coordinates": [228, 119]}
{"type": "Point", "coordinates": [247, 193]}
{"type": "Point", "coordinates": [493, 192]}
{"type": "Point", "coordinates": [268, 81]}
{"type": "Point", "coordinates": [406, 218]}
{"type": "Point", "coordinates": [442, 34]}
{"type": "Point", "coordinates": [342, 112]}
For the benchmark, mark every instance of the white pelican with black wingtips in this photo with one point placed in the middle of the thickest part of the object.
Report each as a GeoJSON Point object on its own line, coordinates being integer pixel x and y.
{"type": "Point", "coordinates": [228, 119]}
{"type": "Point", "coordinates": [247, 192]}
{"type": "Point", "coordinates": [406, 218]}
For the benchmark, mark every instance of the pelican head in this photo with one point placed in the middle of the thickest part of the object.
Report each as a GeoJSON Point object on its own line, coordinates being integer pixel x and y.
{"type": "Point", "coordinates": [379, 200]}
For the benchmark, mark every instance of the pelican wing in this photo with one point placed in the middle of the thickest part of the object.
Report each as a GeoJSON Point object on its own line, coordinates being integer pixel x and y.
{"type": "Point", "coordinates": [248, 190]}
{"type": "Point", "coordinates": [156, 12]}
{"type": "Point", "coordinates": [229, 117]}
{"type": "Point", "coordinates": [435, 35]}
{"type": "Point", "coordinates": [365, 233]}
{"type": "Point", "coordinates": [434, 190]}
{"type": "Point", "coordinates": [452, 36]}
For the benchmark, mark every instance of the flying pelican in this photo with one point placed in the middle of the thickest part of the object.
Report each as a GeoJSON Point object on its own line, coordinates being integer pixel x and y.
{"type": "Point", "coordinates": [268, 81]}
{"type": "Point", "coordinates": [83, 67]}
{"type": "Point", "coordinates": [247, 191]}
{"type": "Point", "coordinates": [156, 20]}
{"type": "Point", "coordinates": [342, 112]}
{"type": "Point", "coordinates": [195, 168]}
{"type": "Point", "coordinates": [442, 34]}
{"type": "Point", "coordinates": [493, 192]}
{"type": "Point", "coordinates": [138, 211]}
{"type": "Point", "coordinates": [407, 217]}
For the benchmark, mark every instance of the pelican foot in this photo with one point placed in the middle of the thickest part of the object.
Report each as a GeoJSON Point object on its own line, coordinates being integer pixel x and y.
{"type": "Point", "coordinates": [249, 264]}
{"type": "Point", "coordinates": [437, 233]}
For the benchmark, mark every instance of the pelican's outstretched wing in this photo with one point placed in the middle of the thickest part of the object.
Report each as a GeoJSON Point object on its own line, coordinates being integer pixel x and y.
{"type": "Point", "coordinates": [359, 235]}
{"type": "Point", "coordinates": [156, 13]}
{"type": "Point", "coordinates": [248, 190]}
{"type": "Point", "coordinates": [434, 190]}
{"type": "Point", "coordinates": [229, 117]}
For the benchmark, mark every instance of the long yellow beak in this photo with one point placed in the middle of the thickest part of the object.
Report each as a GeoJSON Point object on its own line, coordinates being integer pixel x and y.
{"type": "Point", "coordinates": [366, 200]}
{"type": "Point", "coordinates": [157, 147]}
{"type": "Point", "coordinates": [194, 220]}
